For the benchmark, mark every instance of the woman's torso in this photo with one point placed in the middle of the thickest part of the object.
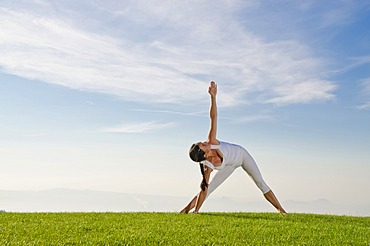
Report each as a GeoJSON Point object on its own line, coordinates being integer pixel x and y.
{"type": "Point", "coordinates": [231, 155]}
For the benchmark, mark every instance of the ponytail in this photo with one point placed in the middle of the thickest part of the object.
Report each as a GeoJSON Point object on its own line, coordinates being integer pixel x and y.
{"type": "Point", "coordinates": [198, 155]}
{"type": "Point", "coordinates": [204, 184]}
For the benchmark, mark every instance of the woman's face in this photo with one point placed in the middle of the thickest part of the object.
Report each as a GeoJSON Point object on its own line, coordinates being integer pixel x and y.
{"type": "Point", "coordinates": [206, 147]}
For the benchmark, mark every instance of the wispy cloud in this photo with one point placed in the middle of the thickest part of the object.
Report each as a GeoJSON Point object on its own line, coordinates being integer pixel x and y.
{"type": "Point", "coordinates": [360, 60]}
{"type": "Point", "coordinates": [366, 85]}
{"type": "Point", "coordinates": [338, 16]}
{"type": "Point", "coordinates": [364, 106]}
{"type": "Point", "coordinates": [140, 127]}
{"type": "Point", "coordinates": [328, 14]}
{"type": "Point", "coordinates": [366, 91]}
{"type": "Point", "coordinates": [302, 92]}
{"type": "Point", "coordinates": [353, 62]}
{"type": "Point", "coordinates": [158, 52]}
{"type": "Point", "coordinates": [255, 118]}
{"type": "Point", "coordinates": [198, 113]}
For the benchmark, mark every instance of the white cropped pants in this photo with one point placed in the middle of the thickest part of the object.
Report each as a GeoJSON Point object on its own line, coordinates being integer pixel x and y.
{"type": "Point", "coordinates": [250, 167]}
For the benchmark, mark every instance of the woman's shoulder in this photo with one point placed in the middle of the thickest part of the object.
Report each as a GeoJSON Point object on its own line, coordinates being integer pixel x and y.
{"type": "Point", "coordinates": [217, 144]}
{"type": "Point", "coordinates": [228, 145]}
{"type": "Point", "coordinates": [214, 142]}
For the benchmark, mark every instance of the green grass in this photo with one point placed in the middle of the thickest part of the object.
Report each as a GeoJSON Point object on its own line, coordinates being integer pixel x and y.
{"type": "Point", "coordinates": [179, 229]}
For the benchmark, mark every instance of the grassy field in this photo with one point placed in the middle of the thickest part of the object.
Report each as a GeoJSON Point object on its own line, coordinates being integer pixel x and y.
{"type": "Point", "coordinates": [179, 229]}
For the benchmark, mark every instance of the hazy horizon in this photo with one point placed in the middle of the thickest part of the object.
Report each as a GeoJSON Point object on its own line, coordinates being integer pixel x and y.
{"type": "Point", "coordinates": [72, 200]}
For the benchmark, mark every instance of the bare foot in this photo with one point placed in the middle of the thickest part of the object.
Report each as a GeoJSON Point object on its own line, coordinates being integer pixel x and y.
{"type": "Point", "coordinates": [282, 212]}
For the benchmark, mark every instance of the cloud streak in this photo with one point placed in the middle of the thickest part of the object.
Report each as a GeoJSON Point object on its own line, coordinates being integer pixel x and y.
{"type": "Point", "coordinates": [140, 127]}
{"type": "Point", "coordinates": [366, 91]}
{"type": "Point", "coordinates": [159, 52]}
{"type": "Point", "coordinates": [198, 113]}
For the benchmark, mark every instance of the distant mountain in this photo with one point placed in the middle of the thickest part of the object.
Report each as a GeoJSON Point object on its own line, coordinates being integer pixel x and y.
{"type": "Point", "coordinates": [70, 200]}
{"type": "Point", "coordinates": [322, 205]}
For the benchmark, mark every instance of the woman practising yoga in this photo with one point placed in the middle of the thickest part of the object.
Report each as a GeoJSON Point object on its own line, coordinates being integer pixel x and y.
{"type": "Point", "coordinates": [225, 158]}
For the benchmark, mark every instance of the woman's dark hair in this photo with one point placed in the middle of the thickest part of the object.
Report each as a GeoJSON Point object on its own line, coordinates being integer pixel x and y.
{"type": "Point", "coordinates": [197, 155]}
{"type": "Point", "coordinates": [204, 184]}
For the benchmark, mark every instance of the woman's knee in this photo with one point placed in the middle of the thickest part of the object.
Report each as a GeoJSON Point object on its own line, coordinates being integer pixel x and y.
{"type": "Point", "coordinates": [261, 184]}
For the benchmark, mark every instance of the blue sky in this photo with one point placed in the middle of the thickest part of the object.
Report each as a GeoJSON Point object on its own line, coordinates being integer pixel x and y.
{"type": "Point", "coordinates": [110, 95]}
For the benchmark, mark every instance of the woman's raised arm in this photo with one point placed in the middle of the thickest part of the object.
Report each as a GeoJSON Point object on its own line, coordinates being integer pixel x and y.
{"type": "Point", "coordinates": [212, 90]}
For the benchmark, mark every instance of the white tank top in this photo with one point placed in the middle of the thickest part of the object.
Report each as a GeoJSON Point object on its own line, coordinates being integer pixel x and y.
{"type": "Point", "coordinates": [232, 154]}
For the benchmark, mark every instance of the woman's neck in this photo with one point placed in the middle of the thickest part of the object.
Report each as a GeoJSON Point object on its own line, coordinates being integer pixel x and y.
{"type": "Point", "coordinates": [213, 157]}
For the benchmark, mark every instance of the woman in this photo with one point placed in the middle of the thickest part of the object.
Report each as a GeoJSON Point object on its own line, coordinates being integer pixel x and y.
{"type": "Point", "coordinates": [225, 158]}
